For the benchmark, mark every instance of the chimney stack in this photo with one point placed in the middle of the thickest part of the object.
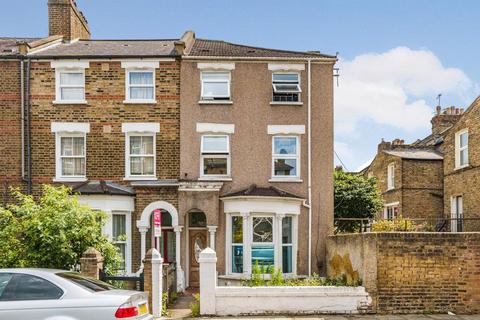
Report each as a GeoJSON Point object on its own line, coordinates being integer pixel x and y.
{"type": "Point", "coordinates": [442, 120]}
{"type": "Point", "coordinates": [65, 19]}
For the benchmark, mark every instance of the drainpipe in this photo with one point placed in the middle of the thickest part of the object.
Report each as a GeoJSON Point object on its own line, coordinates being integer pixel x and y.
{"type": "Point", "coordinates": [28, 131]}
{"type": "Point", "coordinates": [22, 115]}
{"type": "Point", "coordinates": [309, 138]}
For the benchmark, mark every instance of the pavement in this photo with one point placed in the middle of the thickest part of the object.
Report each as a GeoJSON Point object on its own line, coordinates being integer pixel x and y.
{"type": "Point", "coordinates": [363, 317]}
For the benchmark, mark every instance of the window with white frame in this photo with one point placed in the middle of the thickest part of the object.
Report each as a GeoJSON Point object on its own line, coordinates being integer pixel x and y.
{"type": "Point", "coordinates": [286, 87]}
{"type": "Point", "coordinates": [70, 85]}
{"type": "Point", "coordinates": [391, 211]}
{"type": "Point", "coordinates": [215, 156]}
{"type": "Point", "coordinates": [71, 155]}
{"type": "Point", "coordinates": [119, 237]}
{"type": "Point", "coordinates": [461, 149]}
{"type": "Point", "coordinates": [140, 85]}
{"type": "Point", "coordinates": [215, 85]}
{"type": "Point", "coordinates": [140, 162]}
{"type": "Point", "coordinates": [287, 245]}
{"type": "Point", "coordinates": [286, 157]}
{"type": "Point", "coordinates": [263, 249]}
{"type": "Point", "coordinates": [237, 244]}
{"type": "Point", "coordinates": [391, 176]}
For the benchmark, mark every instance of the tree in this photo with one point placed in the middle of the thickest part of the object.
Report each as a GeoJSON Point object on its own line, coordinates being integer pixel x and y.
{"type": "Point", "coordinates": [355, 197]}
{"type": "Point", "coordinates": [52, 232]}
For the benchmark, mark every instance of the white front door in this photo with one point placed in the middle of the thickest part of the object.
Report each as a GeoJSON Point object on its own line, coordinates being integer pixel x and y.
{"type": "Point", "coordinates": [457, 214]}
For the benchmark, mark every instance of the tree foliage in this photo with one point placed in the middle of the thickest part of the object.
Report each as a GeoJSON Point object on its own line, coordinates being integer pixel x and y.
{"type": "Point", "coordinates": [51, 232]}
{"type": "Point", "coordinates": [356, 196]}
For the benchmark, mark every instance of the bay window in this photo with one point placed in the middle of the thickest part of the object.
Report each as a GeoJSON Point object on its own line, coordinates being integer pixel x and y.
{"type": "Point", "coordinates": [215, 85]}
{"type": "Point", "coordinates": [215, 156]}
{"type": "Point", "coordinates": [118, 230]}
{"type": "Point", "coordinates": [286, 157]}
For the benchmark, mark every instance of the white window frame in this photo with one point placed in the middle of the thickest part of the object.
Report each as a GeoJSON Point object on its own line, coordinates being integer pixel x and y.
{"type": "Point", "coordinates": [286, 156]}
{"type": "Point", "coordinates": [391, 176]}
{"type": "Point", "coordinates": [58, 86]}
{"type": "Point", "coordinates": [456, 212]}
{"type": "Point", "coordinates": [215, 154]}
{"type": "Point", "coordinates": [391, 205]}
{"type": "Point", "coordinates": [459, 149]}
{"type": "Point", "coordinates": [128, 99]}
{"type": "Point", "coordinates": [58, 156]}
{"type": "Point", "coordinates": [108, 232]}
{"type": "Point", "coordinates": [212, 98]}
{"type": "Point", "coordinates": [299, 86]}
{"type": "Point", "coordinates": [128, 175]}
{"type": "Point", "coordinates": [248, 242]}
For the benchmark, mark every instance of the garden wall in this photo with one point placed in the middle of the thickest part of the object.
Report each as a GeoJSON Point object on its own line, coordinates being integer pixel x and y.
{"type": "Point", "coordinates": [411, 272]}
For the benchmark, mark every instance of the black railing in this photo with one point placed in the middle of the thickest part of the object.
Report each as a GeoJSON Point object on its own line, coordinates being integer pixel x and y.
{"type": "Point", "coordinates": [139, 283]}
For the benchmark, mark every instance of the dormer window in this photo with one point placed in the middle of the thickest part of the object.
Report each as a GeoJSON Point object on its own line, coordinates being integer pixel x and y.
{"type": "Point", "coordinates": [286, 87]}
{"type": "Point", "coordinates": [215, 85]}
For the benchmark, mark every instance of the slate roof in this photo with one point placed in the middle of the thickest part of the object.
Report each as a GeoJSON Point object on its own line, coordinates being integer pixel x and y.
{"type": "Point", "coordinates": [9, 46]}
{"type": "Point", "coordinates": [110, 48]}
{"type": "Point", "coordinates": [218, 48]}
{"type": "Point", "coordinates": [415, 154]}
{"type": "Point", "coordinates": [254, 191]}
{"type": "Point", "coordinates": [103, 187]}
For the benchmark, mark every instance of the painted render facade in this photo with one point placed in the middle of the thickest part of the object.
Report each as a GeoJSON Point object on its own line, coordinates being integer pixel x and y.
{"type": "Point", "coordinates": [121, 122]}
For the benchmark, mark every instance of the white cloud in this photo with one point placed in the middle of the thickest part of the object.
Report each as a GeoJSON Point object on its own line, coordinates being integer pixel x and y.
{"type": "Point", "coordinates": [390, 89]}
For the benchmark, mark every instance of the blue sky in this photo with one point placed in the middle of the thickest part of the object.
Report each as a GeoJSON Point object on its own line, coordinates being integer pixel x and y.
{"type": "Point", "coordinates": [395, 55]}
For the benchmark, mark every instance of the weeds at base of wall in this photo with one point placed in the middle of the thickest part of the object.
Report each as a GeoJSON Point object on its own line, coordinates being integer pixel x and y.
{"type": "Point", "coordinates": [195, 306]}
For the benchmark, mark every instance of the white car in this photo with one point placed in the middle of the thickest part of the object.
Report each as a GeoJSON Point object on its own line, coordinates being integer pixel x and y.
{"type": "Point", "coordinates": [46, 294]}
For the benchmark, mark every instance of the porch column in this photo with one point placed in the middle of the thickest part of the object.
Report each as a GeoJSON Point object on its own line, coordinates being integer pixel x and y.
{"type": "Point", "coordinates": [180, 278]}
{"type": "Point", "coordinates": [212, 230]}
{"type": "Point", "coordinates": [247, 252]}
{"type": "Point", "coordinates": [278, 241]}
{"type": "Point", "coordinates": [143, 243]}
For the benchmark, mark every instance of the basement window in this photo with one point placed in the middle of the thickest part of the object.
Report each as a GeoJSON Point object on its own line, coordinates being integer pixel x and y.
{"type": "Point", "coordinates": [286, 87]}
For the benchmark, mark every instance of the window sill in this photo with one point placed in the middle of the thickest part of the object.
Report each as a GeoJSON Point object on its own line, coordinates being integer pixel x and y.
{"type": "Point", "coordinates": [70, 102]}
{"type": "Point", "coordinates": [286, 103]}
{"type": "Point", "coordinates": [390, 189]}
{"type": "Point", "coordinates": [296, 180]}
{"type": "Point", "coordinates": [462, 167]}
{"type": "Point", "coordinates": [139, 101]}
{"type": "Point", "coordinates": [215, 179]}
{"type": "Point", "coordinates": [215, 102]}
{"type": "Point", "coordinates": [67, 179]}
{"type": "Point", "coordinates": [145, 178]}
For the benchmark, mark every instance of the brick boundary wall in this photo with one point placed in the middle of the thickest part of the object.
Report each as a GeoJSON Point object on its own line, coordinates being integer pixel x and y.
{"type": "Point", "coordinates": [411, 272]}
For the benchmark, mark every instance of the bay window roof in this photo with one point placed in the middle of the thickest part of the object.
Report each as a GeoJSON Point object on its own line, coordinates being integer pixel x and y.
{"type": "Point", "coordinates": [254, 191]}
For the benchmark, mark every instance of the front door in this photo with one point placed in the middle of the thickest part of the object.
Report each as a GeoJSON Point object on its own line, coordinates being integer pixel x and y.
{"type": "Point", "coordinates": [198, 242]}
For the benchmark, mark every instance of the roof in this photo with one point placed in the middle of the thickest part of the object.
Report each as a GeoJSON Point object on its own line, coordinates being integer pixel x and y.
{"type": "Point", "coordinates": [218, 48]}
{"type": "Point", "coordinates": [110, 48]}
{"type": "Point", "coordinates": [9, 46]}
{"type": "Point", "coordinates": [254, 191]}
{"type": "Point", "coordinates": [103, 187]}
{"type": "Point", "coordinates": [415, 154]}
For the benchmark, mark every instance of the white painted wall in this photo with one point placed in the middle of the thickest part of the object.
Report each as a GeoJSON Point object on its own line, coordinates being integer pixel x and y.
{"type": "Point", "coordinates": [232, 301]}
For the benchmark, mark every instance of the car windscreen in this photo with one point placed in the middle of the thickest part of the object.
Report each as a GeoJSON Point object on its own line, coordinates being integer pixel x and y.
{"type": "Point", "coordinates": [90, 284]}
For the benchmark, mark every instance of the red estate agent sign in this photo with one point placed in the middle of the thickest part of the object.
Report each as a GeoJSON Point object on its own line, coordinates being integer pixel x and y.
{"type": "Point", "coordinates": [157, 223]}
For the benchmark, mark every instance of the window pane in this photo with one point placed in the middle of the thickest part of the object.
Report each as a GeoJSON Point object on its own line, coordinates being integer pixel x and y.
{"type": "Point", "coordinates": [141, 93]}
{"type": "Point", "coordinates": [197, 219]}
{"type": "Point", "coordinates": [166, 219]}
{"type": "Point", "coordinates": [287, 230]}
{"type": "Point", "coordinates": [217, 76]}
{"type": "Point", "coordinates": [215, 144]}
{"type": "Point", "coordinates": [147, 165]}
{"type": "Point", "coordinates": [135, 145]}
{"type": "Point", "coordinates": [27, 287]}
{"type": "Point", "coordinates": [79, 166]}
{"type": "Point", "coordinates": [215, 89]}
{"type": "Point", "coordinates": [464, 157]}
{"type": "Point", "coordinates": [78, 146]}
{"type": "Point", "coordinates": [237, 229]}
{"type": "Point", "coordinates": [287, 259]}
{"type": "Point", "coordinates": [90, 284]}
{"type": "Point", "coordinates": [142, 78]}
{"type": "Point", "coordinates": [262, 229]}
{"type": "Point", "coordinates": [263, 255]}
{"type": "Point", "coordinates": [463, 139]}
{"type": "Point", "coordinates": [135, 165]}
{"type": "Point", "coordinates": [147, 145]}
{"type": "Point", "coordinates": [286, 88]}
{"type": "Point", "coordinates": [72, 93]}
{"type": "Point", "coordinates": [141, 145]}
{"type": "Point", "coordinates": [66, 146]}
{"type": "Point", "coordinates": [71, 79]}
{"type": "Point", "coordinates": [68, 166]}
{"type": "Point", "coordinates": [119, 222]}
{"type": "Point", "coordinates": [285, 167]}
{"type": "Point", "coordinates": [121, 248]}
{"type": "Point", "coordinates": [237, 259]}
{"type": "Point", "coordinates": [4, 280]}
{"type": "Point", "coordinates": [215, 166]}
{"type": "Point", "coordinates": [171, 246]}
{"type": "Point", "coordinates": [285, 145]}
{"type": "Point", "coordinates": [285, 77]}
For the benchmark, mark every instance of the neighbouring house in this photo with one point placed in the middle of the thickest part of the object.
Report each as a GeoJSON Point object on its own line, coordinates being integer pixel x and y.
{"type": "Point", "coordinates": [256, 157]}
{"type": "Point", "coordinates": [184, 143]}
{"type": "Point", "coordinates": [461, 175]}
{"type": "Point", "coordinates": [410, 176]}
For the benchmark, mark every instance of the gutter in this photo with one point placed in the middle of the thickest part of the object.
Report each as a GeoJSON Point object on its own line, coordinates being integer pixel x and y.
{"type": "Point", "coordinates": [309, 151]}
{"type": "Point", "coordinates": [319, 59]}
{"type": "Point", "coordinates": [28, 131]}
{"type": "Point", "coordinates": [22, 115]}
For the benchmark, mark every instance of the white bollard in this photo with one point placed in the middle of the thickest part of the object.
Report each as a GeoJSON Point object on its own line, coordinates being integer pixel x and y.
{"type": "Point", "coordinates": [157, 285]}
{"type": "Point", "coordinates": [208, 281]}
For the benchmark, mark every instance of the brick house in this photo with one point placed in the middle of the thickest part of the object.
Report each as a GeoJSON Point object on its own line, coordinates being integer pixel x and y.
{"type": "Point", "coordinates": [410, 176]}
{"type": "Point", "coordinates": [150, 130]}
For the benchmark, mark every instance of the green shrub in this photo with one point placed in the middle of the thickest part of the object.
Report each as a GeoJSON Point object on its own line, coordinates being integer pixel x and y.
{"type": "Point", "coordinates": [164, 304]}
{"type": "Point", "coordinates": [195, 306]}
{"type": "Point", "coordinates": [396, 225]}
